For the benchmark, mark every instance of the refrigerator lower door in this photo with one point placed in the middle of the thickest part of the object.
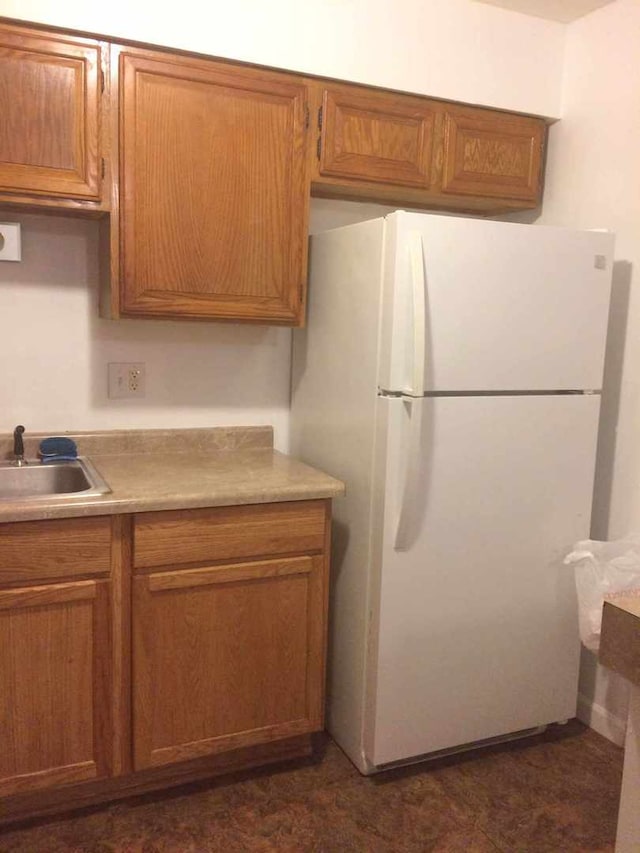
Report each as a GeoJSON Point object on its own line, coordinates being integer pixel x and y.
{"type": "Point", "coordinates": [474, 619]}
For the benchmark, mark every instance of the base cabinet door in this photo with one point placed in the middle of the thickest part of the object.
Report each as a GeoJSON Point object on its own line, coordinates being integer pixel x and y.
{"type": "Point", "coordinates": [55, 685]}
{"type": "Point", "coordinates": [226, 656]}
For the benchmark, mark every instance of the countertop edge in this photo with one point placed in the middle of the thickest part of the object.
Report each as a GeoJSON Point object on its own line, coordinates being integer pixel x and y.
{"type": "Point", "coordinates": [262, 476]}
{"type": "Point", "coordinates": [620, 638]}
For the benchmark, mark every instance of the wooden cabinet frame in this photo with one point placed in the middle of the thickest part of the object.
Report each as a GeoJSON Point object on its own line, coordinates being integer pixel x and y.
{"type": "Point", "coordinates": [121, 645]}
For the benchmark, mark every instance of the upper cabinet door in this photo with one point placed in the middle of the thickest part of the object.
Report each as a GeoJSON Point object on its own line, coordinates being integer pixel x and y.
{"type": "Point", "coordinates": [214, 190]}
{"type": "Point", "coordinates": [488, 153]}
{"type": "Point", "coordinates": [49, 126]}
{"type": "Point", "coordinates": [376, 136]}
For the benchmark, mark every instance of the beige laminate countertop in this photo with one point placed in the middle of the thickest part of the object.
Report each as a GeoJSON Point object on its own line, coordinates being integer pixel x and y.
{"type": "Point", "coordinates": [181, 469]}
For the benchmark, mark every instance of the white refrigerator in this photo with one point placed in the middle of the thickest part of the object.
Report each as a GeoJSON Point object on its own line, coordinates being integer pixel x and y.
{"type": "Point", "coordinates": [450, 374]}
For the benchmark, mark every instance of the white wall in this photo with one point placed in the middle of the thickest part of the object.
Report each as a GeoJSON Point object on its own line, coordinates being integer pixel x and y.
{"type": "Point", "coordinates": [455, 49]}
{"type": "Point", "coordinates": [593, 180]}
{"type": "Point", "coordinates": [54, 350]}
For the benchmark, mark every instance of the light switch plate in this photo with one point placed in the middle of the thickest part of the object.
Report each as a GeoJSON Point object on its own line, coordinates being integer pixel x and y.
{"type": "Point", "coordinates": [10, 246]}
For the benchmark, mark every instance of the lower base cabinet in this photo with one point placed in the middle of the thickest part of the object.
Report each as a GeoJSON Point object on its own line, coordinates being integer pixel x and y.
{"type": "Point", "coordinates": [253, 644]}
{"type": "Point", "coordinates": [199, 648]}
{"type": "Point", "coordinates": [55, 696]}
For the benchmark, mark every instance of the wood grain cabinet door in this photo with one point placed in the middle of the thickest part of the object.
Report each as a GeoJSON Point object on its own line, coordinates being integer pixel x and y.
{"type": "Point", "coordinates": [49, 114]}
{"type": "Point", "coordinates": [55, 686]}
{"type": "Point", "coordinates": [376, 136]}
{"type": "Point", "coordinates": [226, 656]}
{"type": "Point", "coordinates": [214, 190]}
{"type": "Point", "coordinates": [492, 154]}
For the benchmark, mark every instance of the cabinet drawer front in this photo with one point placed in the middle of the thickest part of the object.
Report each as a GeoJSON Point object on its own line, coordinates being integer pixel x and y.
{"type": "Point", "coordinates": [376, 137]}
{"type": "Point", "coordinates": [60, 548]}
{"type": "Point", "coordinates": [491, 154]}
{"type": "Point", "coordinates": [227, 533]}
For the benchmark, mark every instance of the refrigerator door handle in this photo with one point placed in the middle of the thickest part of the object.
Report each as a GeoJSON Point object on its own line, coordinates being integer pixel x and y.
{"type": "Point", "coordinates": [409, 503]}
{"type": "Point", "coordinates": [418, 288]}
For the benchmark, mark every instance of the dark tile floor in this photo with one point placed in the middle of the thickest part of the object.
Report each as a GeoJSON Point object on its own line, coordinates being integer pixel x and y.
{"type": "Point", "coordinates": [557, 792]}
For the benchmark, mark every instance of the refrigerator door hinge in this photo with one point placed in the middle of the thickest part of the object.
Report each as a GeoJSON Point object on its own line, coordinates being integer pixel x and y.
{"type": "Point", "coordinates": [320, 118]}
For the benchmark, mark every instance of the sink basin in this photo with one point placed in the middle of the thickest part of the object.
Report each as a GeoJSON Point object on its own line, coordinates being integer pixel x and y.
{"type": "Point", "coordinates": [36, 481]}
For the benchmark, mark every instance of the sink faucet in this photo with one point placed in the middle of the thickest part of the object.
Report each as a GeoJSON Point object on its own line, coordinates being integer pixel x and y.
{"type": "Point", "coordinates": [18, 447]}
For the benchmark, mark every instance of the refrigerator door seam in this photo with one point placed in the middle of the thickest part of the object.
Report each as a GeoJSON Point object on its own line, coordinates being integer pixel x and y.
{"type": "Point", "coordinates": [550, 392]}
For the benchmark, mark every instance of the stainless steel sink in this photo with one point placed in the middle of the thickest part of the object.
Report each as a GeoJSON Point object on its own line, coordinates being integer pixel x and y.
{"type": "Point", "coordinates": [54, 480]}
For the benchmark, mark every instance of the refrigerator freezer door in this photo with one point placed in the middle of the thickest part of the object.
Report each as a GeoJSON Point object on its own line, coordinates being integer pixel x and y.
{"type": "Point", "coordinates": [507, 306]}
{"type": "Point", "coordinates": [474, 632]}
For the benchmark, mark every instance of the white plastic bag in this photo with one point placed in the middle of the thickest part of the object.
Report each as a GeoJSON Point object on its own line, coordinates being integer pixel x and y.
{"type": "Point", "coordinates": [602, 570]}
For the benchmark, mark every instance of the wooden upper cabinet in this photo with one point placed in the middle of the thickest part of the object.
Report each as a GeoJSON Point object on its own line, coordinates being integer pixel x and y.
{"type": "Point", "coordinates": [214, 190]}
{"type": "Point", "coordinates": [376, 136]}
{"type": "Point", "coordinates": [492, 154]}
{"type": "Point", "coordinates": [50, 88]}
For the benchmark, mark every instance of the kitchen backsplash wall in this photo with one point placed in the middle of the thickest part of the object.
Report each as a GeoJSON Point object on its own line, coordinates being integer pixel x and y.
{"type": "Point", "coordinates": [54, 350]}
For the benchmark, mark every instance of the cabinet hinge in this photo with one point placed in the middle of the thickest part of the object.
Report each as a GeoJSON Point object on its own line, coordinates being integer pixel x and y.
{"type": "Point", "coordinates": [102, 80]}
{"type": "Point", "coordinates": [320, 118]}
{"type": "Point", "coordinates": [306, 117]}
{"type": "Point", "coordinates": [319, 147]}
{"type": "Point", "coordinates": [103, 167]}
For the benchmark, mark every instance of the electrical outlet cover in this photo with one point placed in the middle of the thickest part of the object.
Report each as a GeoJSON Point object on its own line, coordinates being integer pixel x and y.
{"type": "Point", "coordinates": [126, 379]}
{"type": "Point", "coordinates": [10, 244]}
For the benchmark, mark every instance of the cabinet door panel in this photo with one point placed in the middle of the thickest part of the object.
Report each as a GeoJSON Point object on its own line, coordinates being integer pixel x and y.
{"type": "Point", "coordinates": [214, 190]}
{"type": "Point", "coordinates": [376, 136]}
{"type": "Point", "coordinates": [49, 103]}
{"type": "Point", "coordinates": [55, 685]}
{"type": "Point", "coordinates": [225, 657]}
{"type": "Point", "coordinates": [492, 154]}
